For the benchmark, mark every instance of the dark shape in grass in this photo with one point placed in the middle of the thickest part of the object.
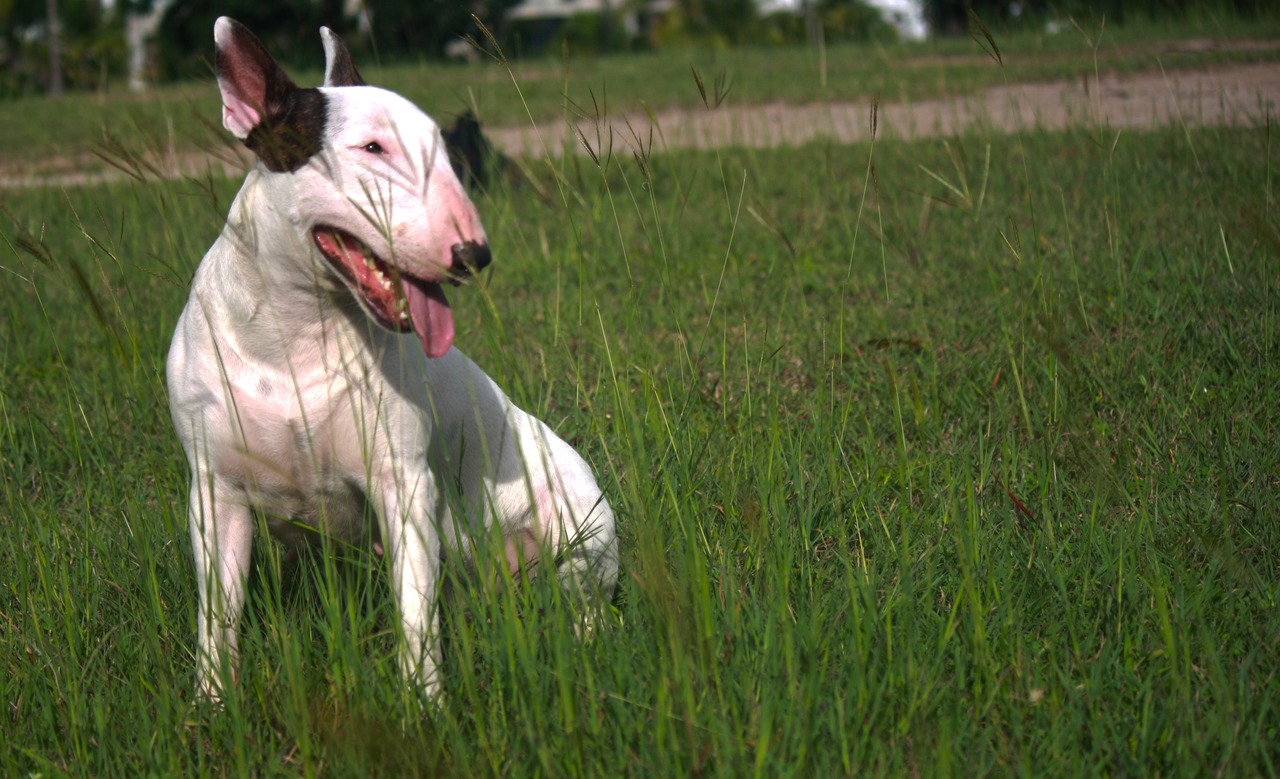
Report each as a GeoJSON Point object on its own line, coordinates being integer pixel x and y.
{"type": "Point", "coordinates": [471, 154]}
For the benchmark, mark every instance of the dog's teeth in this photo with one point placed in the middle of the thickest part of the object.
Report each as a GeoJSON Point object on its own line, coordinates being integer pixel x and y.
{"type": "Point", "coordinates": [386, 282]}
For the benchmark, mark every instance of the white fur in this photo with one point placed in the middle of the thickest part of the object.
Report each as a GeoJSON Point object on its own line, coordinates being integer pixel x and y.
{"type": "Point", "coordinates": [289, 402]}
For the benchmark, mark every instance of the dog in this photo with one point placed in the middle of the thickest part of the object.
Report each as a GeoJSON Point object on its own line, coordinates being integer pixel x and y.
{"type": "Point", "coordinates": [470, 153]}
{"type": "Point", "coordinates": [313, 379]}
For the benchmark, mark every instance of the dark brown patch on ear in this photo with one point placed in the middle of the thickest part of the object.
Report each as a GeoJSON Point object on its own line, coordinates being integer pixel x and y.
{"type": "Point", "coordinates": [340, 71]}
{"type": "Point", "coordinates": [292, 129]}
{"type": "Point", "coordinates": [344, 74]}
{"type": "Point", "coordinates": [291, 123]}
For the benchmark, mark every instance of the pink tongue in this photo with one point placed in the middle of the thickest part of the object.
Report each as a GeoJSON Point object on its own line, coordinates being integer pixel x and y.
{"type": "Point", "coordinates": [431, 315]}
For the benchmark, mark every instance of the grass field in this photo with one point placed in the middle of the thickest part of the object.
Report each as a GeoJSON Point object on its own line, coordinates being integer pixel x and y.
{"type": "Point", "coordinates": [952, 457]}
{"type": "Point", "coordinates": [42, 134]}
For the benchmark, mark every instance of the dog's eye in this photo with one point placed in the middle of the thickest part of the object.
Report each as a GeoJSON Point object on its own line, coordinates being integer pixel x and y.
{"type": "Point", "coordinates": [373, 147]}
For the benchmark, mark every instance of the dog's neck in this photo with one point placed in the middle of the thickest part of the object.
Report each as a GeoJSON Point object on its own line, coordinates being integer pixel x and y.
{"type": "Point", "coordinates": [281, 305]}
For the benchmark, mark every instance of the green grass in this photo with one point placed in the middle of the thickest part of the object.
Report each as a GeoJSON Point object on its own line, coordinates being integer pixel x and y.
{"type": "Point", "coordinates": [45, 135]}
{"type": "Point", "coordinates": [944, 457]}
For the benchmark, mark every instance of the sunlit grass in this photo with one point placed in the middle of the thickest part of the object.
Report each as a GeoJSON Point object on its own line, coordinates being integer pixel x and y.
{"type": "Point", "coordinates": [942, 457]}
{"type": "Point", "coordinates": [56, 135]}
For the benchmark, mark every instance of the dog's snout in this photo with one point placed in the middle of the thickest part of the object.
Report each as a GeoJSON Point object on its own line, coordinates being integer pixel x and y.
{"type": "Point", "coordinates": [470, 257]}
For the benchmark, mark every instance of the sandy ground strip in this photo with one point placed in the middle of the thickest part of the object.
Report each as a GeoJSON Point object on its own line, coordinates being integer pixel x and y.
{"type": "Point", "coordinates": [1239, 95]}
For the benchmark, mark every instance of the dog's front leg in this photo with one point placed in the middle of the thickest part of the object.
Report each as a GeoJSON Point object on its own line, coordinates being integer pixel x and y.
{"type": "Point", "coordinates": [413, 548]}
{"type": "Point", "coordinates": [221, 539]}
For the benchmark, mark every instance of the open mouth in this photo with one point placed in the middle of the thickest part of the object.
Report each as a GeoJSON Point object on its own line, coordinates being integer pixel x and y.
{"type": "Point", "coordinates": [394, 299]}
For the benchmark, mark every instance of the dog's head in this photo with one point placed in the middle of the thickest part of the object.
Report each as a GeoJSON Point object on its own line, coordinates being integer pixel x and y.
{"type": "Point", "coordinates": [365, 173]}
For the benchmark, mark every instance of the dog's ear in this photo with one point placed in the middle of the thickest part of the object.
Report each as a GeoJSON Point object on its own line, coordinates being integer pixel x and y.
{"type": "Point", "coordinates": [282, 124]}
{"type": "Point", "coordinates": [339, 68]}
{"type": "Point", "coordinates": [252, 84]}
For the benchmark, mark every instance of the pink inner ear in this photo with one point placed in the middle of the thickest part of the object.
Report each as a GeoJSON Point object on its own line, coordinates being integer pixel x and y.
{"type": "Point", "coordinates": [238, 117]}
{"type": "Point", "coordinates": [243, 93]}
{"type": "Point", "coordinates": [244, 69]}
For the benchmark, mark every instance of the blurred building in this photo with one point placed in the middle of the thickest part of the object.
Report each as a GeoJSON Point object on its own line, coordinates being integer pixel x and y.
{"type": "Point", "coordinates": [906, 16]}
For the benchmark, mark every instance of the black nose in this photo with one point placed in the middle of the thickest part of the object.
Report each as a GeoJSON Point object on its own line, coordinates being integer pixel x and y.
{"type": "Point", "coordinates": [470, 257]}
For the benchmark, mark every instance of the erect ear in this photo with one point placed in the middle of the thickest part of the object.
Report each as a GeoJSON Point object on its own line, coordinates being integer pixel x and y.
{"type": "Point", "coordinates": [253, 86]}
{"type": "Point", "coordinates": [282, 124]}
{"type": "Point", "coordinates": [339, 68]}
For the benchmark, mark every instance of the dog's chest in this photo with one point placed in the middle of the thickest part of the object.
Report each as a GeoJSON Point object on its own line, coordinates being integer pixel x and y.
{"type": "Point", "coordinates": [296, 448]}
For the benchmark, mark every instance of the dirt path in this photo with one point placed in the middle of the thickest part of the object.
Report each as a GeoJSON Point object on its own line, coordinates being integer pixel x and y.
{"type": "Point", "coordinates": [1238, 95]}
{"type": "Point", "coordinates": [1229, 95]}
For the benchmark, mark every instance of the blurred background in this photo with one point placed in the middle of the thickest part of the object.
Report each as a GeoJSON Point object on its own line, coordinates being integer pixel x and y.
{"type": "Point", "coordinates": [49, 46]}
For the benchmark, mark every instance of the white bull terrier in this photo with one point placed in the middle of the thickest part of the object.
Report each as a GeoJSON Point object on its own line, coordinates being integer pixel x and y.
{"type": "Point", "coordinates": [312, 377]}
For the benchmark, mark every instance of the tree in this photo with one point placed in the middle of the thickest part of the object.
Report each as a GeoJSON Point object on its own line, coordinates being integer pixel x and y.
{"type": "Point", "coordinates": [48, 45]}
{"type": "Point", "coordinates": [288, 28]}
{"type": "Point", "coordinates": [418, 28]}
{"type": "Point", "coordinates": [53, 25]}
{"type": "Point", "coordinates": [951, 17]}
